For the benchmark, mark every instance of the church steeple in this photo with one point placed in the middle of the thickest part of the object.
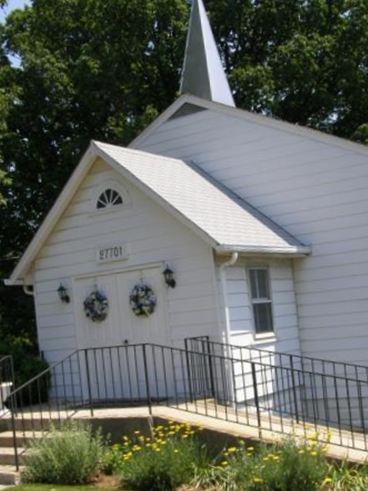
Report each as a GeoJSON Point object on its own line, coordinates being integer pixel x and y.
{"type": "Point", "coordinates": [203, 74]}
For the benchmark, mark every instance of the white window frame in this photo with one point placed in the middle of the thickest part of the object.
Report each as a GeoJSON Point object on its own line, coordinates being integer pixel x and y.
{"type": "Point", "coordinates": [266, 300]}
{"type": "Point", "coordinates": [115, 186]}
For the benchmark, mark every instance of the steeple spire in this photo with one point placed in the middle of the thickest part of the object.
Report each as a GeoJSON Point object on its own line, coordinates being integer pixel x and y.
{"type": "Point", "coordinates": [203, 74]}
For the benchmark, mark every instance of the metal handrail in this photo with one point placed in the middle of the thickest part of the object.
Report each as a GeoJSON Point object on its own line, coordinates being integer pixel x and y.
{"type": "Point", "coordinates": [313, 360]}
{"type": "Point", "coordinates": [258, 393]}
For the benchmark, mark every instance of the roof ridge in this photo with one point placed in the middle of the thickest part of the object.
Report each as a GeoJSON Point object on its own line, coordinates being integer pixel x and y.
{"type": "Point", "coordinates": [137, 151]}
{"type": "Point", "coordinates": [257, 118]}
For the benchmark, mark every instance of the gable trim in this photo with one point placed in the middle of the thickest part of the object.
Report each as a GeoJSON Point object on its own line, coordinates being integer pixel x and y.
{"type": "Point", "coordinates": [258, 119]}
{"type": "Point", "coordinates": [66, 196]}
{"type": "Point", "coordinates": [52, 218]}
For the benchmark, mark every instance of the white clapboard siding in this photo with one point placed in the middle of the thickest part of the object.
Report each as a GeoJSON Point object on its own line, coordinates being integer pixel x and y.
{"type": "Point", "coordinates": [153, 236]}
{"type": "Point", "coordinates": [317, 190]}
{"type": "Point", "coordinates": [240, 307]}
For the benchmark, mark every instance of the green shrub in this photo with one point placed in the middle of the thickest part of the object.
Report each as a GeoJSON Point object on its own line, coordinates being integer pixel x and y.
{"type": "Point", "coordinates": [27, 364]}
{"type": "Point", "coordinates": [161, 463]}
{"type": "Point", "coordinates": [347, 478]}
{"type": "Point", "coordinates": [286, 467]}
{"type": "Point", "coordinates": [69, 455]}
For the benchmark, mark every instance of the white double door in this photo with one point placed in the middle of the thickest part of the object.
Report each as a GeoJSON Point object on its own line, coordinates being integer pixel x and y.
{"type": "Point", "coordinates": [113, 365]}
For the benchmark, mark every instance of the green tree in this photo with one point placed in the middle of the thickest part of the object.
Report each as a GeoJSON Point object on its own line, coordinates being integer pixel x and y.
{"type": "Point", "coordinates": [84, 69]}
{"type": "Point", "coordinates": [104, 69]}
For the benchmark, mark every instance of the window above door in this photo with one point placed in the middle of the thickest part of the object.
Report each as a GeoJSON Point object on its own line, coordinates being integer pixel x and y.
{"type": "Point", "coordinates": [109, 196]}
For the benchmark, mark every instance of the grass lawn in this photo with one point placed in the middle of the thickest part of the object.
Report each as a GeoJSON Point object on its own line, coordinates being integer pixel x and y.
{"type": "Point", "coordinates": [105, 483]}
{"type": "Point", "coordinates": [52, 487]}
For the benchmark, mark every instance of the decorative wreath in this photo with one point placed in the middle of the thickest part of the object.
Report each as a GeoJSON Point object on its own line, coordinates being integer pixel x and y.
{"type": "Point", "coordinates": [142, 300]}
{"type": "Point", "coordinates": [96, 306]}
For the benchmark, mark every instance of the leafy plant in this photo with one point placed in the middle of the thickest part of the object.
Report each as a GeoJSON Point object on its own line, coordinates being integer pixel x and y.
{"type": "Point", "coordinates": [162, 462]}
{"type": "Point", "coordinates": [69, 455]}
{"type": "Point", "coordinates": [346, 478]}
{"type": "Point", "coordinates": [284, 467]}
{"type": "Point", "coordinates": [27, 364]}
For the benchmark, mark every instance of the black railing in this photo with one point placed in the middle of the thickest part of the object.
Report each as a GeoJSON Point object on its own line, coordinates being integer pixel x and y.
{"type": "Point", "coordinates": [204, 378]}
{"type": "Point", "coordinates": [6, 382]}
{"type": "Point", "coordinates": [309, 390]}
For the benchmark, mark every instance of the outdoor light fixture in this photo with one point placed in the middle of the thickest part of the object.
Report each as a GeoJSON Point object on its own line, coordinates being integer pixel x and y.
{"type": "Point", "coordinates": [169, 277]}
{"type": "Point", "coordinates": [63, 294]}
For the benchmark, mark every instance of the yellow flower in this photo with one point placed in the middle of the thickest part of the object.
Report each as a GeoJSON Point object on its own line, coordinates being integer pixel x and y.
{"type": "Point", "coordinates": [327, 480]}
{"type": "Point", "coordinates": [301, 452]}
{"type": "Point", "coordinates": [250, 449]}
{"type": "Point", "coordinates": [157, 450]}
{"type": "Point", "coordinates": [125, 438]}
{"type": "Point", "coordinates": [176, 450]}
{"type": "Point", "coordinates": [232, 450]}
{"type": "Point", "coordinates": [313, 436]}
{"type": "Point", "coordinates": [136, 448]}
{"type": "Point", "coordinates": [258, 480]}
{"type": "Point", "coordinates": [314, 454]}
{"type": "Point", "coordinates": [224, 463]}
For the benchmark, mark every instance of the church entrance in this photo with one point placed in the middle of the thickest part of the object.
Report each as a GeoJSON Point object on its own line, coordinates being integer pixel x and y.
{"type": "Point", "coordinates": [114, 370]}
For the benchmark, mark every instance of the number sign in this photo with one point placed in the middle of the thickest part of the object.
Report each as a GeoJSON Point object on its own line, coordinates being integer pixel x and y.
{"type": "Point", "coordinates": [115, 252]}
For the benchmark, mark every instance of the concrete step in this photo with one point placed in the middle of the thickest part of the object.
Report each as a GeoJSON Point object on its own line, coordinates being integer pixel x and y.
{"type": "Point", "coordinates": [8, 475]}
{"type": "Point", "coordinates": [7, 455]}
{"type": "Point", "coordinates": [34, 424]}
{"type": "Point", "coordinates": [22, 438]}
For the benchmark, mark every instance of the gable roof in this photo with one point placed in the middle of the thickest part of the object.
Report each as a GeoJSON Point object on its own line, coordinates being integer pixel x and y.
{"type": "Point", "coordinates": [223, 220]}
{"type": "Point", "coordinates": [242, 114]}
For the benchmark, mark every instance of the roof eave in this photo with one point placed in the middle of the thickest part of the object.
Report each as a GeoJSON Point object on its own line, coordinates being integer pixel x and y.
{"type": "Point", "coordinates": [10, 282]}
{"type": "Point", "coordinates": [292, 251]}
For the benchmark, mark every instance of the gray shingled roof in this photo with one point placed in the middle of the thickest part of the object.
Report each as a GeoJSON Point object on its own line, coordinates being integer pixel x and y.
{"type": "Point", "coordinates": [228, 221]}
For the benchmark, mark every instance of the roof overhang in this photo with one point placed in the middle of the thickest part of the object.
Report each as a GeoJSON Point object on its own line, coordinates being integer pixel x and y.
{"type": "Point", "coordinates": [21, 274]}
{"type": "Point", "coordinates": [298, 251]}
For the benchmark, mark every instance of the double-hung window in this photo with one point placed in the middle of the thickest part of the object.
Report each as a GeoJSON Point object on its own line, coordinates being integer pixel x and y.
{"type": "Point", "coordinates": [261, 300]}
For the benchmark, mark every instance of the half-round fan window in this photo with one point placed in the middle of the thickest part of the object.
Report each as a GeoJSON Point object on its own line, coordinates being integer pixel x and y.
{"type": "Point", "coordinates": [109, 198]}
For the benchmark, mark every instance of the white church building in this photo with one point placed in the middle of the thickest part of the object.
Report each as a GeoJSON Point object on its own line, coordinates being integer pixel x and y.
{"type": "Point", "coordinates": [216, 222]}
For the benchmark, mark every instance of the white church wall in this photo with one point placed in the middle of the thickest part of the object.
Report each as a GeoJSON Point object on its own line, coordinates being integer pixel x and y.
{"type": "Point", "coordinates": [242, 332]}
{"type": "Point", "coordinates": [315, 189]}
{"type": "Point", "coordinates": [285, 336]}
{"type": "Point", "coordinates": [153, 236]}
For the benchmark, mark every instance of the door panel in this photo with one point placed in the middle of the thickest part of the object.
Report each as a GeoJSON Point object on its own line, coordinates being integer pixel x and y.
{"type": "Point", "coordinates": [116, 371]}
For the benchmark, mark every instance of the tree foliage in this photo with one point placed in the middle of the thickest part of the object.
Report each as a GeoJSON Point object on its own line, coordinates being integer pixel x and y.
{"type": "Point", "coordinates": [103, 69]}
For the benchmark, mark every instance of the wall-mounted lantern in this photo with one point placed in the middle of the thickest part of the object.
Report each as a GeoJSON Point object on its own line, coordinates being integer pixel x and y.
{"type": "Point", "coordinates": [169, 277]}
{"type": "Point", "coordinates": [63, 294]}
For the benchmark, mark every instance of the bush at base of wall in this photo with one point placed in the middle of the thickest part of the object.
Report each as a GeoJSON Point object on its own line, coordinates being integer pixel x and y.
{"type": "Point", "coordinates": [27, 364]}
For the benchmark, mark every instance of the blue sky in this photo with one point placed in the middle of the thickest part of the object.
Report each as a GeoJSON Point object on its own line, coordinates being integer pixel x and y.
{"type": "Point", "coordinates": [12, 4]}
